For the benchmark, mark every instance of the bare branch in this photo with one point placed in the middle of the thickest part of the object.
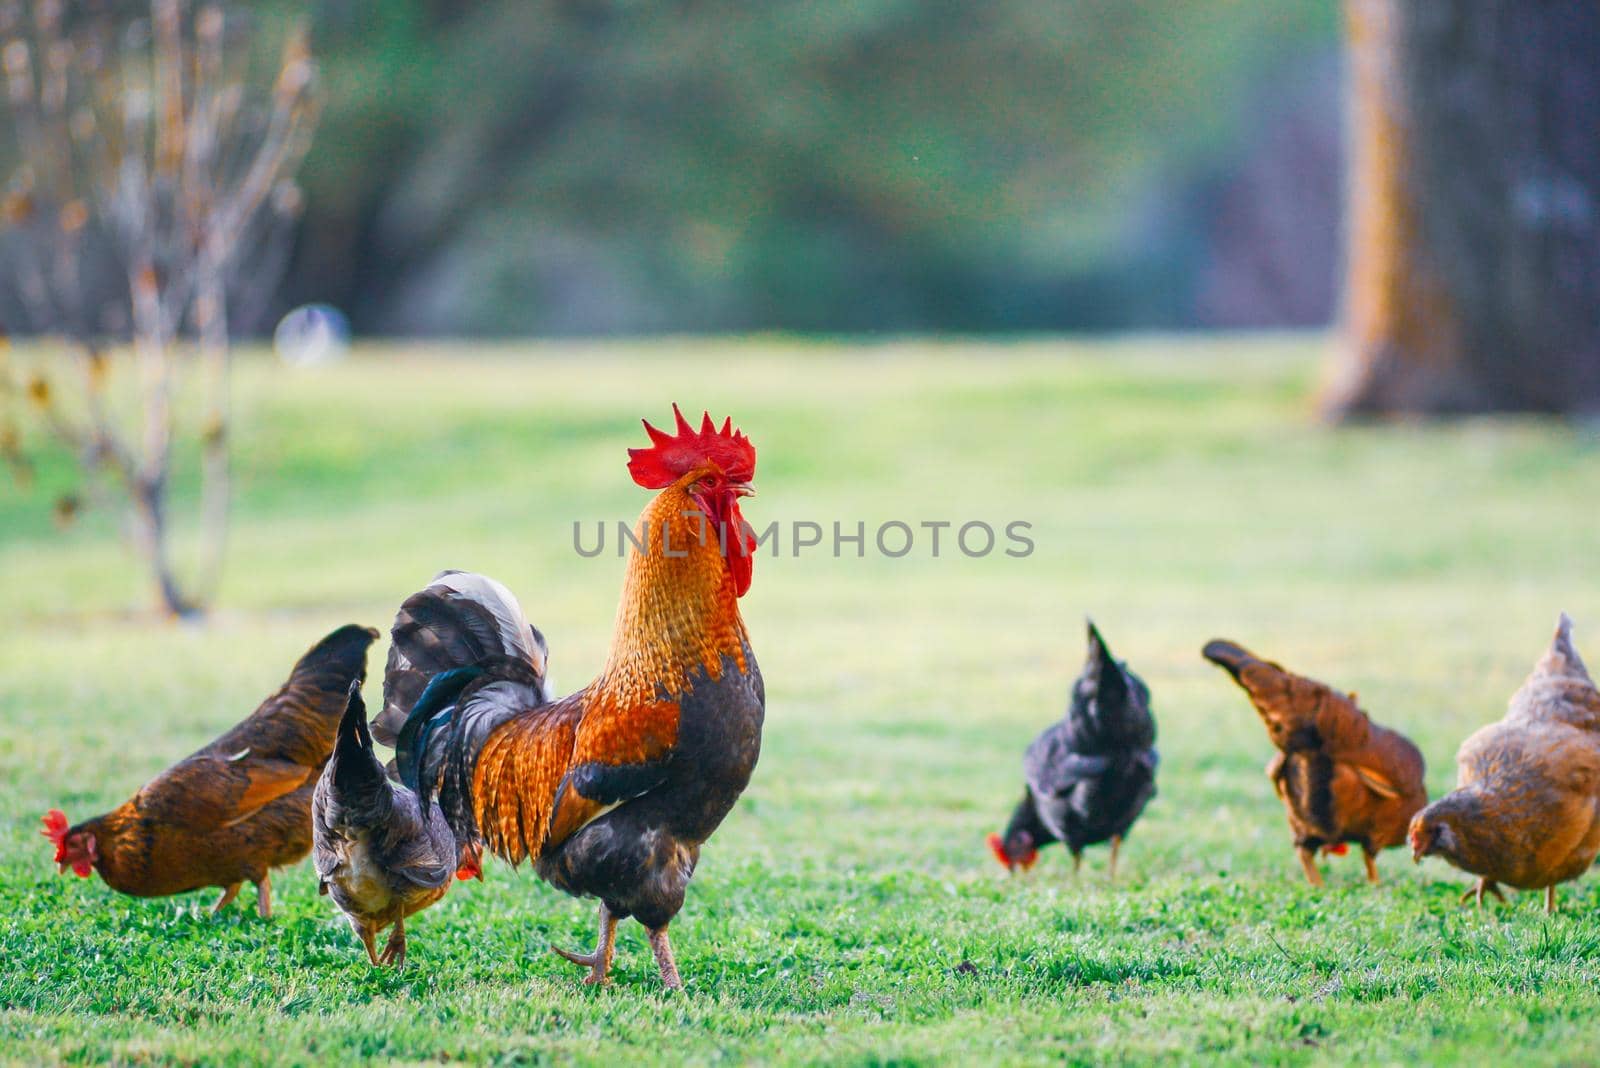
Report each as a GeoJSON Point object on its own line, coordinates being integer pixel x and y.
{"type": "Point", "coordinates": [146, 157]}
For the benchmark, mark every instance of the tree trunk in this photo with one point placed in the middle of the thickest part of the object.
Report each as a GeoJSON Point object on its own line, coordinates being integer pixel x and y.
{"type": "Point", "coordinates": [150, 530]}
{"type": "Point", "coordinates": [1473, 277]}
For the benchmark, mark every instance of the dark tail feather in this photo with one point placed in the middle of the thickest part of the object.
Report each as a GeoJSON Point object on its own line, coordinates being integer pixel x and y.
{"type": "Point", "coordinates": [1229, 657]}
{"type": "Point", "coordinates": [430, 714]}
{"type": "Point", "coordinates": [1111, 684]}
{"type": "Point", "coordinates": [337, 660]}
{"type": "Point", "coordinates": [458, 620]}
{"type": "Point", "coordinates": [357, 775]}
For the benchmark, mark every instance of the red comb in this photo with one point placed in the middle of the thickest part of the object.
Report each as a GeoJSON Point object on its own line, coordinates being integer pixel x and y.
{"type": "Point", "coordinates": [55, 825]}
{"type": "Point", "coordinates": [998, 848]}
{"type": "Point", "coordinates": [55, 829]}
{"type": "Point", "coordinates": [670, 457]}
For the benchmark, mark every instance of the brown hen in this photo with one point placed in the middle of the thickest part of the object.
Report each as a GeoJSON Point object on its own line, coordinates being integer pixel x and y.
{"type": "Point", "coordinates": [237, 808]}
{"type": "Point", "coordinates": [1342, 777]}
{"type": "Point", "coordinates": [1526, 808]}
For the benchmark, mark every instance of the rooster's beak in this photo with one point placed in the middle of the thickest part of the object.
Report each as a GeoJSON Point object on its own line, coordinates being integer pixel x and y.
{"type": "Point", "coordinates": [742, 489]}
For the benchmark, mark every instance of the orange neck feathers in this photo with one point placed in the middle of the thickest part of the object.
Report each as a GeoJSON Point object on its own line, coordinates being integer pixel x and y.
{"type": "Point", "coordinates": [679, 611]}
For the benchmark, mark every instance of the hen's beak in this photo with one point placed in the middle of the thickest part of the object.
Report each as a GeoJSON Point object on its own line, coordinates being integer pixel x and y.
{"type": "Point", "coordinates": [742, 489]}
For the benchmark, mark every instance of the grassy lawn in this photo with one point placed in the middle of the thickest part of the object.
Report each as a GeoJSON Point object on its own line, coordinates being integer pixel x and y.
{"type": "Point", "coordinates": [848, 910]}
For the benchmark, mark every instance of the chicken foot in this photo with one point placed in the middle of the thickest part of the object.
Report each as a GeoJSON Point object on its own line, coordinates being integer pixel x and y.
{"type": "Point", "coordinates": [1370, 858]}
{"type": "Point", "coordinates": [598, 962]}
{"type": "Point", "coordinates": [368, 933]}
{"type": "Point", "coordinates": [1479, 889]}
{"type": "Point", "coordinates": [395, 951]}
{"type": "Point", "coordinates": [1116, 844]}
{"type": "Point", "coordinates": [264, 897]}
{"type": "Point", "coordinates": [1308, 861]}
{"type": "Point", "coordinates": [228, 894]}
{"type": "Point", "coordinates": [662, 946]}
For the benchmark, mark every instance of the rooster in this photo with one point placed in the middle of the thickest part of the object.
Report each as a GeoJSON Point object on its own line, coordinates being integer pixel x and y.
{"type": "Point", "coordinates": [237, 808]}
{"type": "Point", "coordinates": [1090, 774]}
{"type": "Point", "coordinates": [612, 791]}
{"type": "Point", "coordinates": [1342, 778]}
{"type": "Point", "coordinates": [378, 852]}
{"type": "Point", "coordinates": [1526, 808]}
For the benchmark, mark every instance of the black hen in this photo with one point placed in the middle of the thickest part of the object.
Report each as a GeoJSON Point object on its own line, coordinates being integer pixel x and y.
{"type": "Point", "coordinates": [375, 853]}
{"type": "Point", "coordinates": [1091, 774]}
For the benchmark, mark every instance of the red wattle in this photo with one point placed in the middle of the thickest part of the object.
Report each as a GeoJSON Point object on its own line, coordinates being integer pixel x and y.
{"type": "Point", "coordinates": [741, 550]}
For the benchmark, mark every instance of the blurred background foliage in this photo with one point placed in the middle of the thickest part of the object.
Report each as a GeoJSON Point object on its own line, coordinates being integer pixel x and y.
{"type": "Point", "coordinates": [572, 168]}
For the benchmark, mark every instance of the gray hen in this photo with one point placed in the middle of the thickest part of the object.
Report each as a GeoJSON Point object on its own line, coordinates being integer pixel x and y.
{"type": "Point", "coordinates": [375, 853]}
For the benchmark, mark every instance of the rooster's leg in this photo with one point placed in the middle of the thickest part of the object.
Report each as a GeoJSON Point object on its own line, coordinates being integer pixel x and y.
{"type": "Point", "coordinates": [1550, 898]}
{"type": "Point", "coordinates": [264, 896]}
{"type": "Point", "coordinates": [662, 946]}
{"type": "Point", "coordinates": [1371, 860]}
{"type": "Point", "coordinates": [1116, 844]}
{"type": "Point", "coordinates": [368, 934]}
{"type": "Point", "coordinates": [395, 952]}
{"type": "Point", "coordinates": [1308, 861]}
{"type": "Point", "coordinates": [1077, 862]}
{"type": "Point", "coordinates": [598, 962]}
{"type": "Point", "coordinates": [228, 894]}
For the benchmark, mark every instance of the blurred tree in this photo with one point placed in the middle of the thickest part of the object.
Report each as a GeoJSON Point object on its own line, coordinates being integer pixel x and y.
{"type": "Point", "coordinates": [149, 204]}
{"type": "Point", "coordinates": [510, 166]}
{"type": "Point", "coordinates": [1474, 268]}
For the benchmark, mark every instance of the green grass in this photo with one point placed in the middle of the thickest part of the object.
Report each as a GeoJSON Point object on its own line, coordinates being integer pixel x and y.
{"type": "Point", "coordinates": [847, 911]}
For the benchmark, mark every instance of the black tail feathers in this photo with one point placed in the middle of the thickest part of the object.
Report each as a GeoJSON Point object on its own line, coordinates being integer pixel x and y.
{"type": "Point", "coordinates": [429, 715]}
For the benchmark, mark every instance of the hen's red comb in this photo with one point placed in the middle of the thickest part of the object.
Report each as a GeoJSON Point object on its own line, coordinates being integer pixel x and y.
{"type": "Point", "coordinates": [55, 829]}
{"type": "Point", "coordinates": [670, 457]}
{"type": "Point", "coordinates": [998, 848]}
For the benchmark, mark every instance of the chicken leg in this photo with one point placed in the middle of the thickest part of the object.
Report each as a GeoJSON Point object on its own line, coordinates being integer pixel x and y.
{"type": "Point", "coordinates": [1371, 860]}
{"type": "Point", "coordinates": [1479, 889]}
{"type": "Point", "coordinates": [662, 946]}
{"type": "Point", "coordinates": [395, 952]}
{"type": "Point", "coordinates": [264, 896]}
{"type": "Point", "coordinates": [1550, 899]}
{"type": "Point", "coordinates": [1116, 844]}
{"type": "Point", "coordinates": [1308, 861]}
{"type": "Point", "coordinates": [368, 933]}
{"type": "Point", "coordinates": [228, 894]}
{"type": "Point", "coordinates": [598, 962]}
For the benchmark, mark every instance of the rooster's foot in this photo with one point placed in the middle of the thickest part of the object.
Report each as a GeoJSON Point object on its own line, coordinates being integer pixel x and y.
{"type": "Point", "coordinates": [1308, 861]}
{"type": "Point", "coordinates": [662, 945]}
{"type": "Point", "coordinates": [598, 962]}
